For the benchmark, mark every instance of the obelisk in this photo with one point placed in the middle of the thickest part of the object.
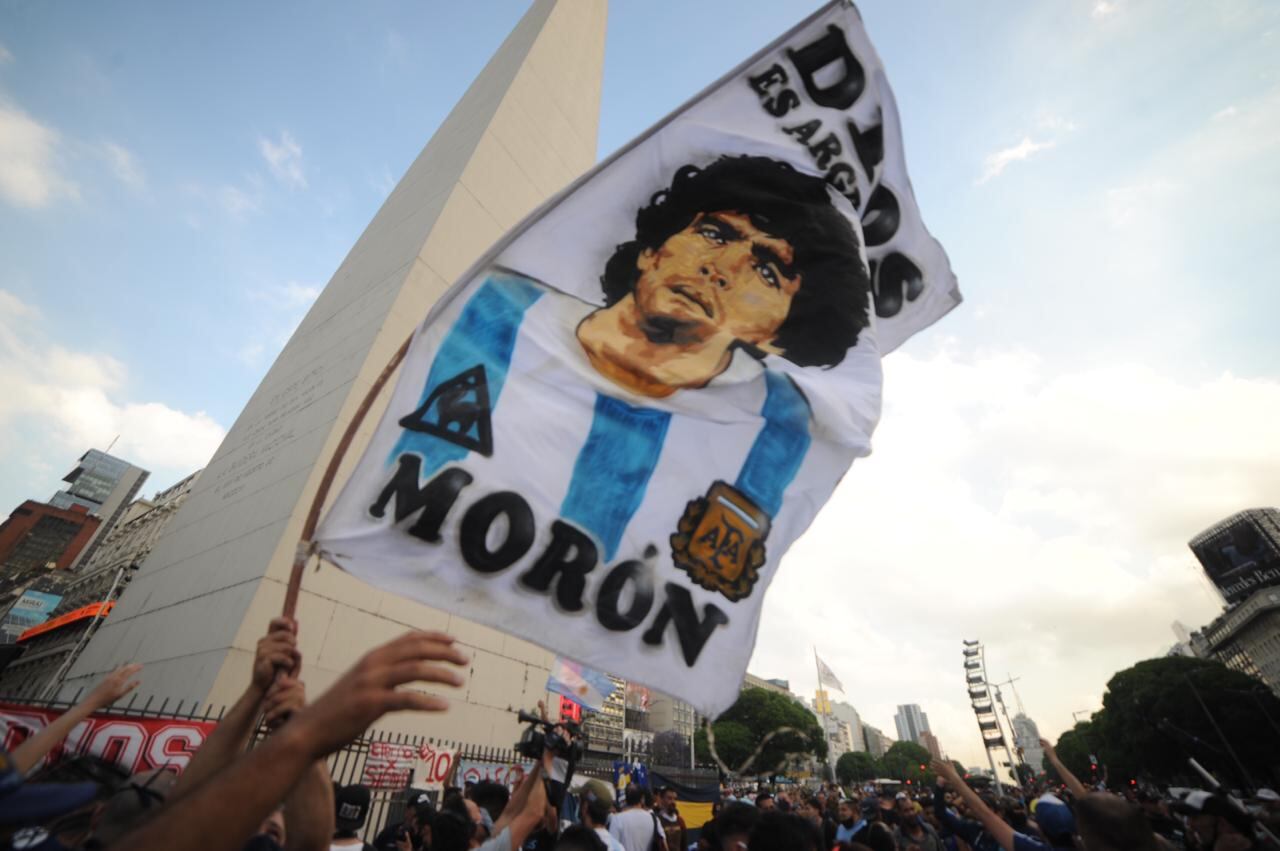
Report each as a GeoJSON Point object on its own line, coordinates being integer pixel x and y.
{"type": "Point", "coordinates": [524, 129]}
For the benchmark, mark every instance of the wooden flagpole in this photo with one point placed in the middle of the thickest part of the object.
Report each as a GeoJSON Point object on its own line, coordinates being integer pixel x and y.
{"type": "Point", "coordinates": [306, 545]}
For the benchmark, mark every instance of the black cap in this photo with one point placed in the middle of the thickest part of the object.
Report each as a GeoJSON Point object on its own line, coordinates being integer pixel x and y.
{"type": "Point", "coordinates": [351, 806]}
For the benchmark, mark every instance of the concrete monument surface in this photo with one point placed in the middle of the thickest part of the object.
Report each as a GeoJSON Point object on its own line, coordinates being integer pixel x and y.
{"type": "Point", "coordinates": [524, 129]}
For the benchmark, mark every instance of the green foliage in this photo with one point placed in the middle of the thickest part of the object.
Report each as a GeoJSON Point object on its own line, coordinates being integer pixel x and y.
{"type": "Point", "coordinates": [903, 761]}
{"type": "Point", "coordinates": [1144, 704]}
{"type": "Point", "coordinates": [1074, 748]}
{"type": "Point", "coordinates": [754, 715]}
{"type": "Point", "coordinates": [856, 766]}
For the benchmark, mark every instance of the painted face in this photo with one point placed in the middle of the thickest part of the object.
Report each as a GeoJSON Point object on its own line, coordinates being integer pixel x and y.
{"type": "Point", "coordinates": [721, 275]}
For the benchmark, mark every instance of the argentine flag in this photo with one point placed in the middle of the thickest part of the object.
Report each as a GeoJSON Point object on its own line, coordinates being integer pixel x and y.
{"type": "Point", "coordinates": [585, 686]}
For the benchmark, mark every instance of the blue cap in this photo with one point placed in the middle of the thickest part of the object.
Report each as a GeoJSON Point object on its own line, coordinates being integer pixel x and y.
{"type": "Point", "coordinates": [24, 804]}
{"type": "Point", "coordinates": [1053, 817]}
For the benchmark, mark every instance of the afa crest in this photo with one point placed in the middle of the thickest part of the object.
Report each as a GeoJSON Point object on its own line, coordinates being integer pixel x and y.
{"type": "Point", "coordinates": [719, 541]}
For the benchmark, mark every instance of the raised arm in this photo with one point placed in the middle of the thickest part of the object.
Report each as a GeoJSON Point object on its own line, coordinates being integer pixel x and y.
{"type": "Point", "coordinates": [276, 651]}
{"type": "Point", "coordinates": [1073, 782]}
{"type": "Point", "coordinates": [220, 814]}
{"type": "Point", "coordinates": [997, 827]}
{"type": "Point", "coordinates": [114, 686]}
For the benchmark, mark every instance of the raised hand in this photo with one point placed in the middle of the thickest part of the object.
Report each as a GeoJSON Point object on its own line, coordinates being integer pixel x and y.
{"type": "Point", "coordinates": [114, 686]}
{"type": "Point", "coordinates": [370, 690]}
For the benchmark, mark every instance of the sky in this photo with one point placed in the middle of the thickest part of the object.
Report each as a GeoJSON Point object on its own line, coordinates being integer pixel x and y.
{"type": "Point", "coordinates": [179, 181]}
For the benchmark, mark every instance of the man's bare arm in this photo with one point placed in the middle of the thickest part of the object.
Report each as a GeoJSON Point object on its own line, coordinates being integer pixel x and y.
{"type": "Point", "coordinates": [223, 812]}
{"type": "Point", "coordinates": [997, 827]}
{"type": "Point", "coordinates": [1073, 782]}
{"type": "Point", "coordinates": [113, 687]}
{"type": "Point", "coordinates": [276, 651]}
{"type": "Point", "coordinates": [308, 811]}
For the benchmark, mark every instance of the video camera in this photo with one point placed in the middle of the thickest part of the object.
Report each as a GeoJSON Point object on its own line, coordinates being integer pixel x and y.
{"type": "Point", "coordinates": [542, 736]}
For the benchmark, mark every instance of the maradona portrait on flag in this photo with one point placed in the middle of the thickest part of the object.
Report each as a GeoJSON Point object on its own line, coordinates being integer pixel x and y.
{"type": "Point", "coordinates": [604, 439]}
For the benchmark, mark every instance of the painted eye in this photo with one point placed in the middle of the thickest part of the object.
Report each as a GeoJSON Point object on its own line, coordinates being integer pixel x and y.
{"type": "Point", "coordinates": [712, 233]}
{"type": "Point", "coordinates": [769, 274]}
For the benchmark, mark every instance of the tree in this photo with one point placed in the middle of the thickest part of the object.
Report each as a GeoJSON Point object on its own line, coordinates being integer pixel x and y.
{"type": "Point", "coordinates": [855, 766]}
{"type": "Point", "coordinates": [960, 769]}
{"type": "Point", "coordinates": [1074, 749]}
{"type": "Point", "coordinates": [756, 716]}
{"type": "Point", "coordinates": [903, 760]}
{"type": "Point", "coordinates": [1159, 712]}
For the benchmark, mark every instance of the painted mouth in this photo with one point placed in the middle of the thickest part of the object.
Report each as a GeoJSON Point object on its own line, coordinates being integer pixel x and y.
{"type": "Point", "coordinates": [690, 294]}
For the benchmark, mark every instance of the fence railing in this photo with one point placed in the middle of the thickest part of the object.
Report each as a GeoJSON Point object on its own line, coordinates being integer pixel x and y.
{"type": "Point", "coordinates": [348, 764]}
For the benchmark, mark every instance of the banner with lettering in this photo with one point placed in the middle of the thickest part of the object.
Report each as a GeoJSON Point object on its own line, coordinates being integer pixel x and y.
{"type": "Point", "coordinates": [135, 744]}
{"type": "Point", "coordinates": [509, 774]}
{"type": "Point", "coordinates": [606, 435]}
{"type": "Point", "coordinates": [394, 765]}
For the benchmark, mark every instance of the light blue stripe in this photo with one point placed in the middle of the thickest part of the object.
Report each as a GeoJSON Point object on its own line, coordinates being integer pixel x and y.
{"type": "Point", "coordinates": [613, 469]}
{"type": "Point", "coordinates": [484, 333]}
{"type": "Point", "coordinates": [780, 447]}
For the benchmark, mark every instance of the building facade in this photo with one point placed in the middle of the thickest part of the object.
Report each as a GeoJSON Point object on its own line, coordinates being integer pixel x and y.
{"type": "Point", "coordinates": [846, 714]}
{"type": "Point", "coordinates": [876, 742]}
{"type": "Point", "coordinates": [930, 743]}
{"type": "Point", "coordinates": [775, 686]}
{"type": "Point", "coordinates": [525, 128]}
{"type": "Point", "coordinates": [105, 486]}
{"type": "Point", "coordinates": [1026, 741]}
{"type": "Point", "coordinates": [911, 721]}
{"type": "Point", "coordinates": [1241, 554]}
{"type": "Point", "coordinates": [91, 592]}
{"type": "Point", "coordinates": [1246, 637]}
{"type": "Point", "coordinates": [40, 536]}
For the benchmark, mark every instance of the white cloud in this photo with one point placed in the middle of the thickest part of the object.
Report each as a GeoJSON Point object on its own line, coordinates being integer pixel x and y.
{"type": "Point", "coordinates": [1103, 9]}
{"type": "Point", "coordinates": [30, 174]}
{"type": "Point", "coordinates": [237, 202]}
{"type": "Point", "coordinates": [996, 163]}
{"type": "Point", "coordinates": [124, 165]}
{"type": "Point", "coordinates": [1044, 512]}
{"type": "Point", "coordinates": [5, 55]}
{"type": "Point", "coordinates": [285, 160]}
{"type": "Point", "coordinates": [1054, 122]}
{"type": "Point", "coordinates": [71, 400]}
{"type": "Point", "coordinates": [1225, 113]}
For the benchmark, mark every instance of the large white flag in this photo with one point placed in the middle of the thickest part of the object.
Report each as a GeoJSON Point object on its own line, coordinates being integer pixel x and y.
{"type": "Point", "coordinates": [607, 434]}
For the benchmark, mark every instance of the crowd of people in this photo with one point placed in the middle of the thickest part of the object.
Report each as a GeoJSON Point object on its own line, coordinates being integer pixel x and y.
{"type": "Point", "coordinates": [280, 795]}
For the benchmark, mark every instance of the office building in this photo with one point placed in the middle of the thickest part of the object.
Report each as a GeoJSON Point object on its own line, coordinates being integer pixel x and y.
{"type": "Point", "coordinates": [911, 722]}
{"type": "Point", "coordinates": [1246, 637]}
{"type": "Point", "coordinates": [1241, 554]}
{"type": "Point", "coordinates": [1026, 741]}
{"type": "Point", "coordinates": [90, 593]}
{"type": "Point", "coordinates": [876, 743]}
{"type": "Point", "coordinates": [930, 743]}
{"type": "Point", "coordinates": [105, 486]}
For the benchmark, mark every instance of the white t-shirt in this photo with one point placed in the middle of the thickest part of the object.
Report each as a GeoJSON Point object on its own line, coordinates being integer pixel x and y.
{"type": "Point", "coordinates": [610, 843]}
{"type": "Point", "coordinates": [633, 829]}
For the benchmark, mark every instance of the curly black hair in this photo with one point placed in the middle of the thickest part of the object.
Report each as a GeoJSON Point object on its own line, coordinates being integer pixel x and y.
{"type": "Point", "coordinates": [830, 308]}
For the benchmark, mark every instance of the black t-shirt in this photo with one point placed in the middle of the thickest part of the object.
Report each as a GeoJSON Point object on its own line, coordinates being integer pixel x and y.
{"type": "Point", "coordinates": [386, 839]}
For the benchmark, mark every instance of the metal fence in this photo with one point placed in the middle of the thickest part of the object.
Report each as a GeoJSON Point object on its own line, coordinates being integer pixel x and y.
{"type": "Point", "coordinates": [348, 764]}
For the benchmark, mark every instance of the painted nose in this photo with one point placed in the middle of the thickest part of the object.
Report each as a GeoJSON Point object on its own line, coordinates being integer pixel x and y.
{"type": "Point", "coordinates": [715, 277]}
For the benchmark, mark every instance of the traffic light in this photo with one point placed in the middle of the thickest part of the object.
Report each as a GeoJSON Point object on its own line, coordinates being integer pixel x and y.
{"type": "Point", "coordinates": [1133, 782]}
{"type": "Point", "coordinates": [922, 767]}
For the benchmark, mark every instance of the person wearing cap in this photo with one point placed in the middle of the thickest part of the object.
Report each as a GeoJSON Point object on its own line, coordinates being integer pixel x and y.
{"type": "Point", "coordinates": [595, 815]}
{"type": "Point", "coordinates": [1217, 824]}
{"type": "Point", "coordinates": [1052, 816]}
{"type": "Point", "coordinates": [350, 810]}
{"type": "Point", "coordinates": [25, 805]}
{"type": "Point", "coordinates": [408, 833]}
